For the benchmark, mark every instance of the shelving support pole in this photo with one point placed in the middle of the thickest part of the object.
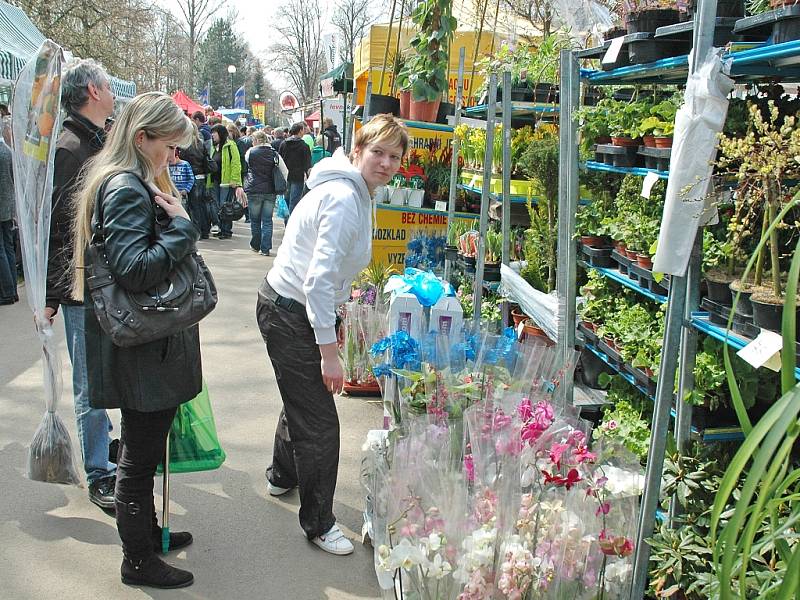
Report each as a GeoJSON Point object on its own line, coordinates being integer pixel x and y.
{"type": "Point", "coordinates": [683, 422]}
{"type": "Point", "coordinates": [487, 182]}
{"type": "Point", "coordinates": [705, 22]}
{"type": "Point", "coordinates": [451, 201]}
{"type": "Point", "coordinates": [506, 221]}
{"type": "Point", "coordinates": [567, 205]}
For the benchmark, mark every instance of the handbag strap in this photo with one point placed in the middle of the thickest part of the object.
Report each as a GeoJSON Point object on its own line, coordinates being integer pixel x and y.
{"type": "Point", "coordinates": [98, 204]}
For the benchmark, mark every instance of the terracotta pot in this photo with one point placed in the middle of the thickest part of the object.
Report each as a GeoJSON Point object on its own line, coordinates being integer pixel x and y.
{"type": "Point", "coordinates": [603, 139]}
{"type": "Point", "coordinates": [589, 325]}
{"type": "Point", "coordinates": [649, 141]}
{"type": "Point", "coordinates": [531, 330]}
{"type": "Point", "coordinates": [630, 254]}
{"type": "Point", "coordinates": [595, 241]}
{"type": "Point", "coordinates": [625, 141]}
{"type": "Point", "coordinates": [518, 317]}
{"type": "Point", "coordinates": [644, 261]}
{"type": "Point", "coordinates": [663, 142]}
{"type": "Point", "coordinates": [648, 371]}
{"type": "Point", "coordinates": [424, 110]}
{"type": "Point", "coordinates": [610, 342]}
{"type": "Point", "coordinates": [780, 3]}
{"type": "Point", "coordinates": [619, 246]}
{"type": "Point", "coordinates": [405, 104]}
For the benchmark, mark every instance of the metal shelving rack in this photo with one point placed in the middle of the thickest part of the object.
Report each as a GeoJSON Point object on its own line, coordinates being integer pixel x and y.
{"type": "Point", "coordinates": [683, 321]}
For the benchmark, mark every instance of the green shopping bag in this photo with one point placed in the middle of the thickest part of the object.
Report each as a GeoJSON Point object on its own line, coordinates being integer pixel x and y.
{"type": "Point", "coordinates": [193, 441]}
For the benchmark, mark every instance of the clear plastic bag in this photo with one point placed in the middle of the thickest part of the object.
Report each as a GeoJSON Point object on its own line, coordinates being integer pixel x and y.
{"type": "Point", "coordinates": [36, 109]}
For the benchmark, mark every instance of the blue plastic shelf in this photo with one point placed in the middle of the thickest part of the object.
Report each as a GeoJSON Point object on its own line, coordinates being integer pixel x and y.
{"type": "Point", "coordinates": [701, 322]}
{"type": "Point", "coordinates": [518, 109]}
{"type": "Point", "coordinates": [598, 166]}
{"type": "Point", "coordinates": [766, 60]}
{"type": "Point", "coordinates": [493, 196]}
{"type": "Point", "coordinates": [615, 275]}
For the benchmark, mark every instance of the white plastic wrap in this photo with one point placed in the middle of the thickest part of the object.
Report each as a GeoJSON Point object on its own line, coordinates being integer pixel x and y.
{"type": "Point", "coordinates": [543, 308]}
{"type": "Point", "coordinates": [697, 126]}
{"type": "Point", "coordinates": [36, 116]}
{"type": "Point", "coordinates": [582, 17]}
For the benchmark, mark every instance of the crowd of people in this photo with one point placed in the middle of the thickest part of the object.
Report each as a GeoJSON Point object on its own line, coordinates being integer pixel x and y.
{"type": "Point", "coordinates": [148, 189]}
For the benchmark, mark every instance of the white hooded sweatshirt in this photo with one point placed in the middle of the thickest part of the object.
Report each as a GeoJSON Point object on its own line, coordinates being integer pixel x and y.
{"type": "Point", "coordinates": [328, 241]}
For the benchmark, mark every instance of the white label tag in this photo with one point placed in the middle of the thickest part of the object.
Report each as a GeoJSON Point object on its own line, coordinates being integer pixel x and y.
{"type": "Point", "coordinates": [441, 206]}
{"type": "Point", "coordinates": [648, 183]}
{"type": "Point", "coordinates": [520, 327]}
{"type": "Point", "coordinates": [764, 351]}
{"type": "Point", "coordinates": [611, 55]}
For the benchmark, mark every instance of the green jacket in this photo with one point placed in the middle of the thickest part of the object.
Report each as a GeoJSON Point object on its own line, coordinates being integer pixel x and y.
{"type": "Point", "coordinates": [231, 171]}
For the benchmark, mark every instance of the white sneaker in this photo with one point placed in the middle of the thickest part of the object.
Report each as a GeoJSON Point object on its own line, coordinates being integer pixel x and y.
{"type": "Point", "coordinates": [275, 490]}
{"type": "Point", "coordinates": [334, 542]}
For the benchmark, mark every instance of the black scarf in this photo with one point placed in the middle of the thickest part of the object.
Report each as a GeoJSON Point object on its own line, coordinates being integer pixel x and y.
{"type": "Point", "coordinates": [97, 135]}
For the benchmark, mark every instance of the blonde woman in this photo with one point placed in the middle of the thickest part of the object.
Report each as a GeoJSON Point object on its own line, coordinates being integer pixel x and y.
{"type": "Point", "coordinates": [327, 242]}
{"type": "Point", "coordinates": [125, 188]}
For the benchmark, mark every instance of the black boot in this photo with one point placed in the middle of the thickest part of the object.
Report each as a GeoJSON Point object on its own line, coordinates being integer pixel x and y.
{"type": "Point", "coordinates": [177, 539]}
{"type": "Point", "coordinates": [140, 565]}
{"type": "Point", "coordinates": [154, 572]}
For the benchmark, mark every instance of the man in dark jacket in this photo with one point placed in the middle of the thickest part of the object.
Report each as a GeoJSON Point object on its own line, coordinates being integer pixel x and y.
{"type": "Point", "coordinates": [329, 139]}
{"type": "Point", "coordinates": [279, 135]}
{"type": "Point", "coordinates": [297, 156]}
{"type": "Point", "coordinates": [8, 257]}
{"type": "Point", "coordinates": [87, 100]}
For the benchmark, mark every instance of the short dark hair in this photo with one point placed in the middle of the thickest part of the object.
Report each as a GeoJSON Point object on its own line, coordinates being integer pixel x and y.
{"type": "Point", "coordinates": [297, 128]}
{"type": "Point", "coordinates": [4, 110]}
{"type": "Point", "coordinates": [221, 131]}
{"type": "Point", "coordinates": [199, 116]}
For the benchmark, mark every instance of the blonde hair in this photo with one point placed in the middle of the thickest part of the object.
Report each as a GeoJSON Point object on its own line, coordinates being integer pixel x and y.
{"type": "Point", "coordinates": [259, 138]}
{"type": "Point", "coordinates": [158, 117]}
{"type": "Point", "coordinates": [382, 128]}
{"type": "Point", "coordinates": [233, 131]}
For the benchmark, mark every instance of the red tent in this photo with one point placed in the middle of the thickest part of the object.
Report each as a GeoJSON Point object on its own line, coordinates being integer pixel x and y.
{"type": "Point", "coordinates": [186, 103]}
{"type": "Point", "coordinates": [312, 117]}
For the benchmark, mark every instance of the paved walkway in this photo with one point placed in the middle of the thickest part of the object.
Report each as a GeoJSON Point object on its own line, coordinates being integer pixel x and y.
{"type": "Point", "coordinates": [56, 544]}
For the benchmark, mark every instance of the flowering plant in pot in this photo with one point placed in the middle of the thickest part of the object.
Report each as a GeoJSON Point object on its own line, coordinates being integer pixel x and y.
{"type": "Point", "coordinates": [427, 65]}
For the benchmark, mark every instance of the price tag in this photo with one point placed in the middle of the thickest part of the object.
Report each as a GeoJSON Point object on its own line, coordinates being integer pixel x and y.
{"type": "Point", "coordinates": [441, 206]}
{"type": "Point", "coordinates": [611, 55]}
{"type": "Point", "coordinates": [520, 327]}
{"type": "Point", "coordinates": [649, 181]}
{"type": "Point", "coordinates": [764, 351]}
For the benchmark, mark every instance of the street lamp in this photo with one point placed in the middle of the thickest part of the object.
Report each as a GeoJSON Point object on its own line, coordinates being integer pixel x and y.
{"type": "Point", "coordinates": [231, 71]}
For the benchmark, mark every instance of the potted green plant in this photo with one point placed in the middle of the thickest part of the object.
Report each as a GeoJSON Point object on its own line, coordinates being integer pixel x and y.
{"type": "Point", "coordinates": [656, 129]}
{"type": "Point", "coordinates": [624, 119]}
{"type": "Point", "coordinates": [649, 15]}
{"type": "Point", "coordinates": [428, 63]}
{"type": "Point", "coordinates": [493, 255]}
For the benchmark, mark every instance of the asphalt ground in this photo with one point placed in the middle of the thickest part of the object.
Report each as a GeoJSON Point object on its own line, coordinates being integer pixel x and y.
{"type": "Point", "coordinates": [54, 543]}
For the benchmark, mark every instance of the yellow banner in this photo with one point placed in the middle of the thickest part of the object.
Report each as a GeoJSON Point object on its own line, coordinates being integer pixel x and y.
{"type": "Point", "coordinates": [397, 225]}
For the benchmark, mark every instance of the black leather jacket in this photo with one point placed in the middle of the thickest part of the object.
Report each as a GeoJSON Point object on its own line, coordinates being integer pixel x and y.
{"type": "Point", "coordinates": [160, 374]}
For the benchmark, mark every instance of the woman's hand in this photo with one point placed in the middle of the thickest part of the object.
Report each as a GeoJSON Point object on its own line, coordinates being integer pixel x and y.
{"type": "Point", "coordinates": [171, 205]}
{"type": "Point", "coordinates": [331, 367]}
{"type": "Point", "coordinates": [241, 196]}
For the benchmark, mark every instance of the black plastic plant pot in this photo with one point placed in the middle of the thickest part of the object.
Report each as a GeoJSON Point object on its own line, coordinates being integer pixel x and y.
{"type": "Point", "coordinates": [719, 292]}
{"type": "Point", "coordinates": [451, 253]}
{"type": "Point", "coordinates": [743, 324]}
{"type": "Point", "coordinates": [769, 316]}
{"type": "Point", "coordinates": [622, 156]}
{"type": "Point", "coordinates": [445, 109]}
{"type": "Point", "coordinates": [744, 306]}
{"type": "Point", "coordinates": [598, 257]}
{"type": "Point", "coordinates": [380, 104]}
{"type": "Point", "coordinates": [717, 313]}
{"type": "Point", "coordinates": [650, 20]}
{"type": "Point", "coordinates": [591, 96]}
{"type": "Point", "coordinates": [647, 51]}
{"type": "Point", "coordinates": [491, 272]}
{"type": "Point", "coordinates": [623, 60]}
{"type": "Point", "coordinates": [545, 92]}
{"type": "Point", "coordinates": [519, 93]}
{"type": "Point", "coordinates": [591, 368]}
{"type": "Point", "coordinates": [614, 33]}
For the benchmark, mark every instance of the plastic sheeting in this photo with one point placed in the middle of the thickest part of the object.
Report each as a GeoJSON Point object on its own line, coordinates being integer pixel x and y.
{"type": "Point", "coordinates": [37, 112]}
{"type": "Point", "coordinates": [697, 126]}
{"type": "Point", "coordinates": [543, 308]}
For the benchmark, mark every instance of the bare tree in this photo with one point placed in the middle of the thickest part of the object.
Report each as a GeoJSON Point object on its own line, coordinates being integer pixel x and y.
{"type": "Point", "coordinates": [196, 14]}
{"type": "Point", "coordinates": [351, 19]}
{"type": "Point", "coordinates": [299, 56]}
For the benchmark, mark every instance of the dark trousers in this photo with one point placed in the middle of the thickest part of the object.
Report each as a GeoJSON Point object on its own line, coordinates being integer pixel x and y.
{"type": "Point", "coordinates": [306, 451]}
{"type": "Point", "coordinates": [143, 438]}
{"type": "Point", "coordinates": [198, 207]}
{"type": "Point", "coordinates": [294, 194]}
{"type": "Point", "coordinates": [8, 261]}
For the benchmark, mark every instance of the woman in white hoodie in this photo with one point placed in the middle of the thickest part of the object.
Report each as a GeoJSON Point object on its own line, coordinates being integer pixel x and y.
{"type": "Point", "coordinates": [327, 242]}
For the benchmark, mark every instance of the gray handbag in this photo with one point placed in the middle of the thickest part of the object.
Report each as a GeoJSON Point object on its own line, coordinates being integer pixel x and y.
{"type": "Point", "coordinates": [133, 318]}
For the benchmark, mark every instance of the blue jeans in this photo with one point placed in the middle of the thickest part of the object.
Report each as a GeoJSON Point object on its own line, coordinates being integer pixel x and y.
{"type": "Point", "coordinates": [8, 261]}
{"type": "Point", "coordinates": [261, 207]}
{"type": "Point", "coordinates": [93, 423]}
{"type": "Point", "coordinates": [294, 194]}
{"type": "Point", "coordinates": [198, 208]}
